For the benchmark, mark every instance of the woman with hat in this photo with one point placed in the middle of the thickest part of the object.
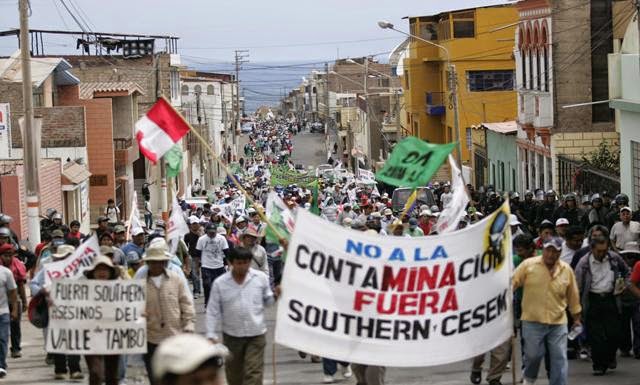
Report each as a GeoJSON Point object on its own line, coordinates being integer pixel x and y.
{"type": "Point", "coordinates": [103, 368]}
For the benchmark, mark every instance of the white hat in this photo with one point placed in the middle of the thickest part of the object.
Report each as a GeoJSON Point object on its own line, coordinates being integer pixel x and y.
{"type": "Point", "coordinates": [184, 353]}
{"type": "Point", "coordinates": [562, 222]}
{"type": "Point", "coordinates": [155, 254]}
{"type": "Point", "coordinates": [241, 219]}
{"type": "Point", "coordinates": [137, 231]}
{"type": "Point", "coordinates": [221, 230]}
{"type": "Point", "coordinates": [388, 212]}
{"type": "Point", "coordinates": [251, 210]}
{"type": "Point", "coordinates": [347, 221]}
{"type": "Point", "coordinates": [193, 219]}
{"type": "Point", "coordinates": [626, 208]}
{"type": "Point", "coordinates": [425, 213]}
{"type": "Point", "coordinates": [158, 243]}
{"type": "Point", "coordinates": [63, 251]}
{"type": "Point", "coordinates": [513, 220]}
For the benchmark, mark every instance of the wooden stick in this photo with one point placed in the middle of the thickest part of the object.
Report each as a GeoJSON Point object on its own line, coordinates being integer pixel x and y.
{"type": "Point", "coordinates": [229, 173]}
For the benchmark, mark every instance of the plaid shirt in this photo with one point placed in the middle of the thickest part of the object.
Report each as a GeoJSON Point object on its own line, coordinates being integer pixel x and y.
{"type": "Point", "coordinates": [170, 308]}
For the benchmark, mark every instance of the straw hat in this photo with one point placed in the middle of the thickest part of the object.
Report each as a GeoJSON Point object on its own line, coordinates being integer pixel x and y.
{"type": "Point", "coordinates": [101, 260]}
{"type": "Point", "coordinates": [63, 251]}
{"type": "Point", "coordinates": [155, 254]}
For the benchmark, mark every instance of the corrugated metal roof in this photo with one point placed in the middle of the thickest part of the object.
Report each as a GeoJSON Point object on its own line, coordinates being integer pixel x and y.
{"type": "Point", "coordinates": [502, 127]}
{"type": "Point", "coordinates": [88, 90]}
{"type": "Point", "coordinates": [445, 7]}
{"type": "Point", "coordinates": [41, 69]}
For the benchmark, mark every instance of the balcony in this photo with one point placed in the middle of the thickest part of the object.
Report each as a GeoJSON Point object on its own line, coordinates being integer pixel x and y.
{"type": "Point", "coordinates": [526, 106]}
{"type": "Point", "coordinates": [435, 103]}
{"type": "Point", "coordinates": [543, 110]}
{"type": "Point", "coordinates": [125, 151]}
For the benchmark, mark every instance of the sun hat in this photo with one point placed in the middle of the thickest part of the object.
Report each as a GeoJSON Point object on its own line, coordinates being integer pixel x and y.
{"type": "Point", "coordinates": [63, 251]}
{"type": "Point", "coordinates": [184, 353]}
{"type": "Point", "coordinates": [101, 260]}
{"type": "Point", "coordinates": [119, 229]}
{"type": "Point", "coordinates": [388, 212]}
{"type": "Point", "coordinates": [155, 254]}
{"type": "Point", "coordinates": [137, 231]}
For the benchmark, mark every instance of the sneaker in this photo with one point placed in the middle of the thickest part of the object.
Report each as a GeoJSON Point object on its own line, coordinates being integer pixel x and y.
{"type": "Point", "coordinates": [76, 376]}
{"type": "Point", "coordinates": [584, 354]}
{"type": "Point", "coordinates": [346, 372]}
{"type": "Point", "coordinates": [3, 373]}
{"type": "Point", "coordinates": [328, 379]}
{"type": "Point", "coordinates": [476, 377]}
{"type": "Point", "coordinates": [61, 376]}
{"type": "Point", "coordinates": [16, 354]}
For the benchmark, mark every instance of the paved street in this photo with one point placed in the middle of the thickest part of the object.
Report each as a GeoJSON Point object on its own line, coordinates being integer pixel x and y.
{"type": "Point", "coordinates": [291, 370]}
{"type": "Point", "coordinates": [309, 149]}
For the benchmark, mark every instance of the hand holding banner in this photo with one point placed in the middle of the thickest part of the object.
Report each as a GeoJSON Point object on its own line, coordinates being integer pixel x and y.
{"type": "Point", "coordinates": [75, 264]}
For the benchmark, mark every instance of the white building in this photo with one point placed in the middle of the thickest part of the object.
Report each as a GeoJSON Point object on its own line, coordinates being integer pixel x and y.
{"type": "Point", "coordinates": [624, 89]}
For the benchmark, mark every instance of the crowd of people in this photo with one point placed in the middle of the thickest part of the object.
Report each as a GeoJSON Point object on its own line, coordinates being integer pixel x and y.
{"type": "Point", "coordinates": [575, 259]}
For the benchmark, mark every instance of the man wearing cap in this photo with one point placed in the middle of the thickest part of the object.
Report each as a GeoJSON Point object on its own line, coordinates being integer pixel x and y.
{"type": "Point", "coordinates": [103, 225]}
{"type": "Point", "coordinates": [413, 230]}
{"type": "Point", "coordinates": [119, 236]}
{"type": "Point", "coordinates": [212, 249]}
{"type": "Point", "coordinates": [191, 239]}
{"type": "Point", "coordinates": [137, 242]}
{"type": "Point", "coordinates": [602, 277]}
{"type": "Point", "coordinates": [235, 314]}
{"type": "Point", "coordinates": [624, 231]}
{"type": "Point", "coordinates": [259, 261]}
{"type": "Point", "coordinates": [573, 237]}
{"type": "Point", "coordinates": [169, 304]}
{"type": "Point", "coordinates": [387, 218]}
{"type": "Point", "coordinates": [424, 221]}
{"type": "Point", "coordinates": [187, 359]}
{"type": "Point", "coordinates": [549, 290]}
{"type": "Point", "coordinates": [346, 213]}
{"type": "Point", "coordinates": [561, 226]}
{"type": "Point", "coordinates": [10, 261]}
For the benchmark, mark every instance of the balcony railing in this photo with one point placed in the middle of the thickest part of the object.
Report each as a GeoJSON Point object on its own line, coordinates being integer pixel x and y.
{"type": "Point", "coordinates": [122, 143]}
{"type": "Point", "coordinates": [435, 103]}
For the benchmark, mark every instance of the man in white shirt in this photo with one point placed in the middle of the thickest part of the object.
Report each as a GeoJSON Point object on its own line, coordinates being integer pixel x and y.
{"type": "Point", "coordinates": [112, 213]}
{"type": "Point", "coordinates": [259, 261]}
{"type": "Point", "coordinates": [624, 231]}
{"type": "Point", "coordinates": [212, 249]}
{"type": "Point", "coordinates": [572, 243]}
{"type": "Point", "coordinates": [235, 313]}
{"type": "Point", "coordinates": [446, 196]}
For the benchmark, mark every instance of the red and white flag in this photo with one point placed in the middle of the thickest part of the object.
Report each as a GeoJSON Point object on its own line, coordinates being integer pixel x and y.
{"type": "Point", "coordinates": [159, 130]}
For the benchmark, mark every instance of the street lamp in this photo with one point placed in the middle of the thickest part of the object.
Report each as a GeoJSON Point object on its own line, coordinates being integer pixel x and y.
{"type": "Point", "coordinates": [452, 80]}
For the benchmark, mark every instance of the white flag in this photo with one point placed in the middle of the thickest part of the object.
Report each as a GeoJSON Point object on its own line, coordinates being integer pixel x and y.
{"type": "Point", "coordinates": [177, 226]}
{"type": "Point", "coordinates": [134, 220]}
{"type": "Point", "coordinates": [455, 210]}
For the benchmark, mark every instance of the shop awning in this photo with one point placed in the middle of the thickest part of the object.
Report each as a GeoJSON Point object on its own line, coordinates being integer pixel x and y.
{"type": "Point", "coordinates": [74, 173]}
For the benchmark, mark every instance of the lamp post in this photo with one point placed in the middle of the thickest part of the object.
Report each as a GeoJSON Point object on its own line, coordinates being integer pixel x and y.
{"type": "Point", "coordinates": [452, 78]}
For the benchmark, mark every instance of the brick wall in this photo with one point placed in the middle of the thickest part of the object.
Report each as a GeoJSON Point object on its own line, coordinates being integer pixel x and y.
{"type": "Point", "coordinates": [13, 203]}
{"type": "Point", "coordinates": [99, 123]}
{"type": "Point", "coordinates": [116, 69]}
{"type": "Point", "coordinates": [61, 127]}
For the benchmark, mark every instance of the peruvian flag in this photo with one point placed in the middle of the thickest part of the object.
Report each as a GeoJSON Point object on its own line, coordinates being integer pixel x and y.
{"type": "Point", "coordinates": [159, 130]}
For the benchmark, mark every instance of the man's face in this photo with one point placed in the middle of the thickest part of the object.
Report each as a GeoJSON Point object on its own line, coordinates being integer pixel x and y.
{"type": "Point", "coordinates": [102, 272]}
{"type": "Point", "coordinates": [550, 199]}
{"type": "Point", "coordinates": [57, 221]}
{"type": "Point", "coordinates": [398, 230]}
{"type": "Point", "coordinates": [74, 228]}
{"type": "Point", "coordinates": [102, 225]}
{"type": "Point", "coordinates": [6, 258]}
{"type": "Point", "coordinates": [550, 256]}
{"type": "Point", "coordinates": [106, 241]}
{"type": "Point", "coordinates": [194, 227]}
{"type": "Point", "coordinates": [255, 218]}
{"type": "Point", "coordinates": [240, 266]}
{"type": "Point", "coordinates": [241, 225]}
{"type": "Point", "coordinates": [561, 230]}
{"type": "Point", "coordinates": [523, 252]}
{"type": "Point", "coordinates": [249, 241]}
{"type": "Point", "coordinates": [575, 242]}
{"type": "Point", "coordinates": [139, 239]}
{"type": "Point", "coordinates": [571, 204]}
{"type": "Point", "coordinates": [597, 203]}
{"type": "Point", "coordinates": [121, 237]}
{"type": "Point", "coordinates": [625, 216]}
{"type": "Point", "coordinates": [156, 267]}
{"type": "Point", "coordinates": [546, 234]}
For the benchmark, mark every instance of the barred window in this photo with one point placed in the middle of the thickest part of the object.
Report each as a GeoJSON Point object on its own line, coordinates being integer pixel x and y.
{"type": "Point", "coordinates": [500, 80]}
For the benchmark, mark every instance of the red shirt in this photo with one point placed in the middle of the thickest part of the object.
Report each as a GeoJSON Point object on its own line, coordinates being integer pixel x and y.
{"type": "Point", "coordinates": [635, 274]}
{"type": "Point", "coordinates": [426, 227]}
{"type": "Point", "coordinates": [18, 270]}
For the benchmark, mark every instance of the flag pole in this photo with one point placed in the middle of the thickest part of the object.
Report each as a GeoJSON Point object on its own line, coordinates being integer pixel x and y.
{"type": "Point", "coordinates": [229, 173]}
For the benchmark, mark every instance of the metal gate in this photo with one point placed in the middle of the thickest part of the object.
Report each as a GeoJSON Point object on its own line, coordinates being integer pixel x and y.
{"type": "Point", "coordinates": [576, 176]}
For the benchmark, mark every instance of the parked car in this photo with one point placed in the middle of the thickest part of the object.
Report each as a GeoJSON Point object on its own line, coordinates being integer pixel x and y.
{"type": "Point", "coordinates": [317, 127]}
{"type": "Point", "coordinates": [247, 127]}
{"type": "Point", "coordinates": [401, 195]}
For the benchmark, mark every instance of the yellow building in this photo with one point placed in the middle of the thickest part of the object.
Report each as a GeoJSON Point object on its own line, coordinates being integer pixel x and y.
{"type": "Point", "coordinates": [480, 44]}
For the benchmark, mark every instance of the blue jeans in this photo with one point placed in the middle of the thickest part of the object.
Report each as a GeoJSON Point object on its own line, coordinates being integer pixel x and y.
{"type": "Point", "coordinates": [536, 336]}
{"type": "Point", "coordinates": [330, 367]}
{"type": "Point", "coordinates": [4, 339]}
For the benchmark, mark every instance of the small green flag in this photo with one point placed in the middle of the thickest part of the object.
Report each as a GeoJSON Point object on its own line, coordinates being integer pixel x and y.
{"type": "Point", "coordinates": [173, 160]}
{"type": "Point", "coordinates": [413, 162]}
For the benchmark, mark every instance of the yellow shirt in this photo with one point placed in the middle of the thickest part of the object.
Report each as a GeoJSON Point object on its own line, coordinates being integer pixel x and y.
{"type": "Point", "coordinates": [547, 295]}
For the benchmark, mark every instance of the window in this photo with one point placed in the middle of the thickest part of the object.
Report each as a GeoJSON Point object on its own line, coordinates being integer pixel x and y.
{"type": "Point", "coordinates": [406, 79]}
{"type": "Point", "coordinates": [428, 31]}
{"type": "Point", "coordinates": [502, 184]}
{"type": "Point", "coordinates": [524, 69]}
{"type": "Point", "coordinates": [549, 174]}
{"type": "Point", "coordinates": [493, 174]}
{"type": "Point", "coordinates": [469, 144]}
{"type": "Point", "coordinates": [538, 72]}
{"type": "Point", "coordinates": [501, 80]}
{"type": "Point", "coordinates": [185, 89]}
{"type": "Point", "coordinates": [541, 171]}
{"type": "Point", "coordinates": [210, 89]}
{"type": "Point", "coordinates": [174, 84]}
{"type": "Point", "coordinates": [513, 179]}
{"type": "Point", "coordinates": [464, 24]}
{"type": "Point", "coordinates": [197, 89]}
{"type": "Point", "coordinates": [444, 28]}
{"type": "Point", "coordinates": [545, 69]}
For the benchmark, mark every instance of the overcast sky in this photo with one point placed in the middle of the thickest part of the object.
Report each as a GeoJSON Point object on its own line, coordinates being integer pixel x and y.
{"type": "Point", "coordinates": [277, 30]}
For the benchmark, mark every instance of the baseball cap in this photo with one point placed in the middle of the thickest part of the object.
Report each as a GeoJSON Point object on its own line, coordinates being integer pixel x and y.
{"type": "Point", "coordinates": [119, 229]}
{"type": "Point", "coordinates": [210, 227]}
{"type": "Point", "coordinates": [513, 220]}
{"type": "Point", "coordinates": [241, 219]}
{"type": "Point", "coordinates": [388, 212]}
{"type": "Point", "coordinates": [425, 213]}
{"type": "Point", "coordinates": [136, 231]}
{"type": "Point", "coordinates": [413, 222]}
{"type": "Point", "coordinates": [626, 208]}
{"type": "Point", "coordinates": [57, 234]}
{"type": "Point", "coordinates": [555, 242]}
{"type": "Point", "coordinates": [562, 222]}
{"type": "Point", "coordinates": [193, 219]}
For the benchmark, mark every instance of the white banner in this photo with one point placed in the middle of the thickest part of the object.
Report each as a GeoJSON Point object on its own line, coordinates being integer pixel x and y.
{"type": "Point", "coordinates": [74, 264]}
{"type": "Point", "coordinates": [177, 226]}
{"type": "Point", "coordinates": [456, 209]}
{"type": "Point", "coordinates": [97, 317]}
{"type": "Point", "coordinates": [395, 301]}
{"type": "Point", "coordinates": [235, 207]}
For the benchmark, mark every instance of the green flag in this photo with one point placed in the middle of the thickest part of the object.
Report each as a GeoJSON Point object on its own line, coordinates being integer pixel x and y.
{"type": "Point", "coordinates": [413, 162]}
{"type": "Point", "coordinates": [173, 159]}
{"type": "Point", "coordinates": [315, 208]}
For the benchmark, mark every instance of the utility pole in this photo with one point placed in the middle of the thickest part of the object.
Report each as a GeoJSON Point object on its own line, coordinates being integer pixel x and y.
{"type": "Point", "coordinates": [241, 56]}
{"type": "Point", "coordinates": [164, 198]}
{"type": "Point", "coordinates": [453, 86]}
{"type": "Point", "coordinates": [326, 99]}
{"type": "Point", "coordinates": [366, 116]}
{"type": "Point", "coordinates": [396, 109]}
{"type": "Point", "coordinates": [31, 144]}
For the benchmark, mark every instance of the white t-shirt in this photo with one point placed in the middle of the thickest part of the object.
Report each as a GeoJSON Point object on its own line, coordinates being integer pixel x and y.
{"type": "Point", "coordinates": [212, 250]}
{"type": "Point", "coordinates": [7, 283]}
{"type": "Point", "coordinates": [112, 213]}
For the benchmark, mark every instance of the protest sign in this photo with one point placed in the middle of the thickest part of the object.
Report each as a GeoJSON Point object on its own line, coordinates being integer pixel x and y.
{"type": "Point", "coordinates": [97, 317]}
{"type": "Point", "coordinates": [280, 216]}
{"type": "Point", "coordinates": [413, 162]}
{"type": "Point", "coordinates": [74, 264]}
{"type": "Point", "coordinates": [455, 210]}
{"type": "Point", "coordinates": [395, 301]}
